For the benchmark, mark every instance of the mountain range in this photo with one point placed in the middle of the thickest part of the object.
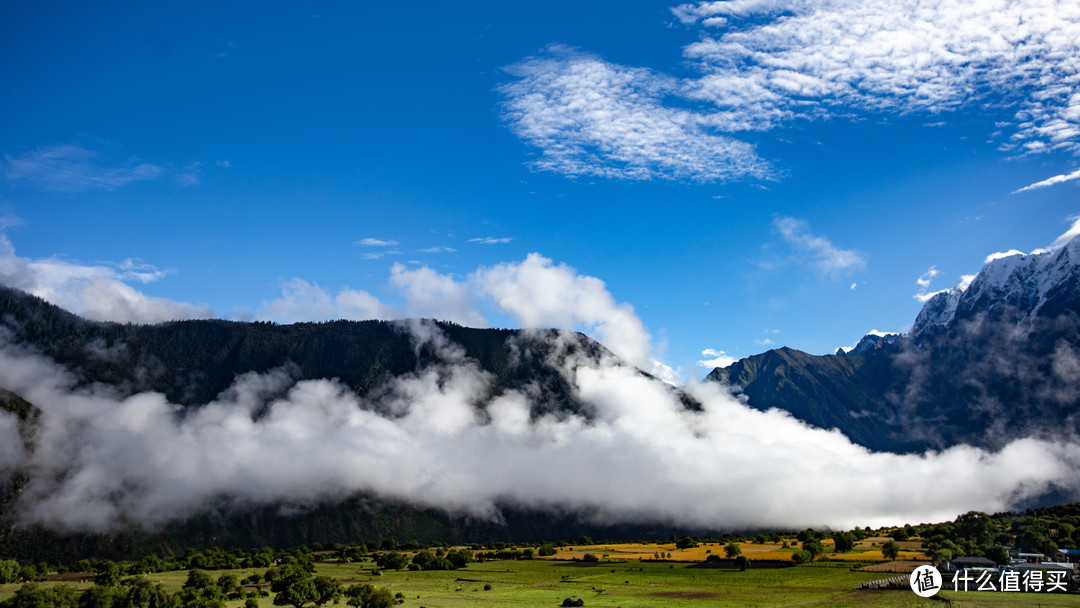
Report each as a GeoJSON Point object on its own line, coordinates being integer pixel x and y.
{"type": "Point", "coordinates": [192, 364]}
{"type": "Point", "coordinates": [994, 359]}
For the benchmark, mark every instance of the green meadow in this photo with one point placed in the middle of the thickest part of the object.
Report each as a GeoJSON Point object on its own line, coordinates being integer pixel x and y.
{"type": "Point", "coordinates": [627, 584]}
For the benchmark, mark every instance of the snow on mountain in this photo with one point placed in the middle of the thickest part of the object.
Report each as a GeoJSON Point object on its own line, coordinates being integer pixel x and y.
{"type": "Point", "coordinates": [1032, 283]}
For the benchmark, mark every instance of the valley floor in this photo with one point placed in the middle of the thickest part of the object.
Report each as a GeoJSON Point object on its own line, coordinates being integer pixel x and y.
{"type": "Point", "coordinates": [629, 584]}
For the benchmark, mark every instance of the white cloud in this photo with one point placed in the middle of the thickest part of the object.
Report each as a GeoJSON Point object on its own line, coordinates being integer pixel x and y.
{"type": "Point", "coordinates": [434, 295]}
{"type": "Point", "coordinates": [1046, 183]}
{"type": "Point", "coordinates": [1069, 235]}
{"type": "Point", "coordinates": [925, 296]}
{"type": "Point", "coordinates": [589, 117]}
{"type": "Point", "coordinates": [102, 461]}
{"type": "Point", "coordinates": [719, 358]}
{"type": "Point", "coordinates": [438, 250]}
{"type": "Point", "coordinates": [773, 63]}
{"type": "Point", "coordinates": [705, 11]}
{"type": "Point", "coordinates": [818, 251]}
{"type": "Point", "coordinates": [71, 168]}
{"type": "Point", "coordinates": [924, 284]}
{"type": "Point", "coordinates": [97, 292]}
{"type": "Point", "coordinates": [491, 240]}
{"type": "Point", "coordinates": [371, 242]}
{"type": "Point", "coordinates": [535, 291]}
{"type": "Point", "coordinates": [926, 278]}
{"type": "Point", "coordinates": [303, 301]}
{"type": "Point", "coordinates": [1002, 254]}
{"type": "Point", "coordinates": [541, 294]}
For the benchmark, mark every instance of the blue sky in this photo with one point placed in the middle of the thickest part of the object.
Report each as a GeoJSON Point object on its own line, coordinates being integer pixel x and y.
{"type": "Point", "coordinates": [744, 174]}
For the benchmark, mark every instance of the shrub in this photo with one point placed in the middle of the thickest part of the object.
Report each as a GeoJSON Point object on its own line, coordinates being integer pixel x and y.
{"type": "Point", "coordinates": [801, 556]}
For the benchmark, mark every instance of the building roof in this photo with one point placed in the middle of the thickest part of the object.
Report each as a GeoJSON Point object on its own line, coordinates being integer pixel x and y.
{"type": "Point", "coordinates": [973, 561]}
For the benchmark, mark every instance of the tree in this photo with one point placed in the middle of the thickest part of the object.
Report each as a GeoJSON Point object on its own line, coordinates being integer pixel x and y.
{"type": "Point", "coordinates": [326, 589]}
{"type": "Point", "coordinates": [9, 571]}
{"type": "Point", "coordinates": [98, 597]}
{"type": "Point", "coordinates": [293, 586]}
{"type": "Point", "coordinates": [198, 579]}
{"type": "Point", "coordinates": [230, 586]}
{"type": "Point", "coordinates": [941, 555]}
{"type": "Point", "coordinates": [814, 548]}
{"type": "Point", "coordinates": [108, 574]}
{"type": "Point", "coordinates": [843, 541]}
{"type": "Point", "coordinates": [975, 526]}
{"type": "Point", "coordinates": [35, 596]}
{"type": "Point", "coordinates": [369, 596]}
{"type": "Point", "coordinates": [801, 556]}
{"type": "Point", "coordinates": [296, 593]}
{"type": "Point", "coordinates": [732, 549]}
{"type": "Point", "coordinates": [998, 553]}
{"type": "Point", "coordinates": [890, 550]}
{"type": "Point", "coordinates": [742, 562]}
{"type": "Point", "coordinates": [392, 561]}
{"type": "Point", "coordinates": [685, 543]}
{"type": "Point", "coordinates": [138, 592]}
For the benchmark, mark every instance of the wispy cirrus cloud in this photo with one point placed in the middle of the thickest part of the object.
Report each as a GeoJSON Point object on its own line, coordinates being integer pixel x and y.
{"type": "Point", "coordinates": [72, 168]}
{"type": "Point", "coordinates": [1051, 181]}
{"type": "Point", "coordinates": [373, 242]}
{"type": "Point", "coordinates": [382, 244]}
{"type": "Point", "coordinates": [763, 64]}
{"type": "Point", "coordinates": [589, 117]}
{"type": "Point", "coordinates": [492, 240]}
{"type": "Point", "coordinates": [817, 251]}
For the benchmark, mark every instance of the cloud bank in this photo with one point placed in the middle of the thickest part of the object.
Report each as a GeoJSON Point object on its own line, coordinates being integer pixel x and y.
{"type": "Point", "coordinates": [97, 292]}
{"type": "Point", "coordinates": [103, 461]}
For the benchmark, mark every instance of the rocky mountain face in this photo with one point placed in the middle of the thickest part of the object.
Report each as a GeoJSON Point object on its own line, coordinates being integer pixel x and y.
{"type": "Point", "coordinates": [987, 362]}
{"type": "Point", "coordinates": [1032, 287]}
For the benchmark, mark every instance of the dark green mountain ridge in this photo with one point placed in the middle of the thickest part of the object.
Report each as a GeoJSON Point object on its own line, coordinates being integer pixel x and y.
{"type": "Point", "coordinates": [192, 362]}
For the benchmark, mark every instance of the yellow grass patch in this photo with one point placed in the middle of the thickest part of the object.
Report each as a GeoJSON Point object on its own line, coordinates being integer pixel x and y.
{"type": "Point", "coordinates": [868, 550]}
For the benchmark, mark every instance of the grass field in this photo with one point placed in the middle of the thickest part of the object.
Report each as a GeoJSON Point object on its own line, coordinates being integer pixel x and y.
{"type": "Point", "coordinates": [629, 576]}
{"type": "Point", "coordinates": [630, 584]}
{"type": "Point", "coordinates": [868, 550]}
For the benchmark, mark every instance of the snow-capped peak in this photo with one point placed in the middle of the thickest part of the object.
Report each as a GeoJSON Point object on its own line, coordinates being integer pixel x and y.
{"type": "Point", "coordinates": [1025, 281]}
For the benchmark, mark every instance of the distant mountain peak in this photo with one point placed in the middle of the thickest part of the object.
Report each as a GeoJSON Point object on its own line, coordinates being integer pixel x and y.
{"type": "Point", "coordinates": [1030, 282]}
{"type": "Point", "coordinates": [873, 342]}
